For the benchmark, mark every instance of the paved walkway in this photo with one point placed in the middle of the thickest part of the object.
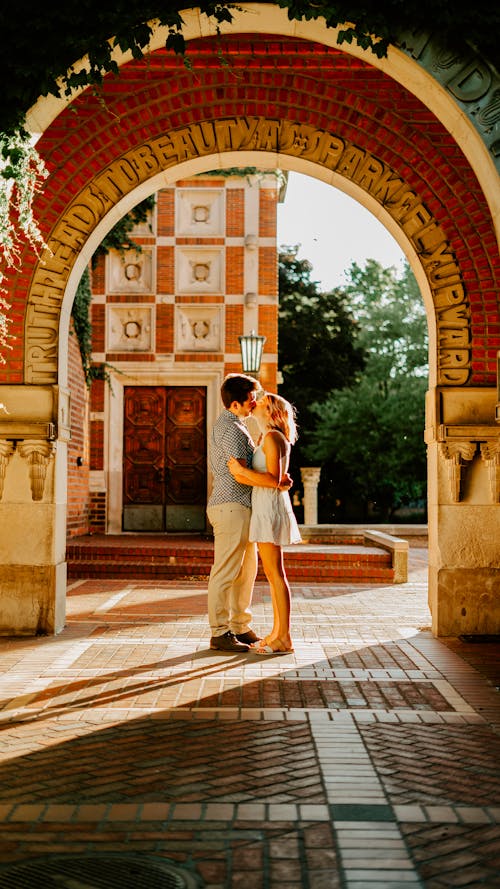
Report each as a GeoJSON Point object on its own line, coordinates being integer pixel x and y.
{"type": "Point", "coordinates": [133, 756]}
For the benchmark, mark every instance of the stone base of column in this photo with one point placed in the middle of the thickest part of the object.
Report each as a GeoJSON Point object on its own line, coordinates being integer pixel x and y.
{"type": "Point", "coordinates": [32, 599]}
{"type": "Point", "coordinates": [465, 601]}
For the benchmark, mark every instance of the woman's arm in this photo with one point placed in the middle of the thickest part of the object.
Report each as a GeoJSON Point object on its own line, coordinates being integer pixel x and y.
{"type": "Point", "coordinates": [251, 477]}
{"type": "Point", "coordinates": [276, 453]}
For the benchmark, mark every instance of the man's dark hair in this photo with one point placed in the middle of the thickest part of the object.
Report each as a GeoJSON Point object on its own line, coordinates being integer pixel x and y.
{"type": "Point", "coordinates": [236, 388]}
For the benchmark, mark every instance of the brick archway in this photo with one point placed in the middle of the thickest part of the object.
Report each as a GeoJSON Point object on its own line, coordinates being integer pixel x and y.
{"type": "Point", "coordinates": [381, 137]}
{"type": "Point", "coordinates": [271, 137]}
{"type": "Point", "coordinates": [301, 102]}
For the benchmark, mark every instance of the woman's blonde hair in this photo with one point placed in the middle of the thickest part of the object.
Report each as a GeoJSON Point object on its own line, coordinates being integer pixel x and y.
{"type": "Point", "coordinates": [281, 416]}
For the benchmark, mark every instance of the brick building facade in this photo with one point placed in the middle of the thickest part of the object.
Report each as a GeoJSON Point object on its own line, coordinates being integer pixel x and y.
{"type": "Point", "coordinates": [166, 322]}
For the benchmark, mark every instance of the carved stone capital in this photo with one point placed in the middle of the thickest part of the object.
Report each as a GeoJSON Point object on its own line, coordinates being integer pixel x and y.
{"type": "Point", "coordinates": [490, 453]}
{"type": "Point", "coordinates": [38, 455]}
{"type": "Point", "coordinates": [457, 454]}
{"type": "Point", "coordinates": [310, 475]}
{"type": "Point", "coordinates": [6, 451]}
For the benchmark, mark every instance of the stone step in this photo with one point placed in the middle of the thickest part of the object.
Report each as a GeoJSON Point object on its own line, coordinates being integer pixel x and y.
{"type": "Point", "coordinates": [325, 573]}
{"type": "Point", "coordinates": [123, 557]}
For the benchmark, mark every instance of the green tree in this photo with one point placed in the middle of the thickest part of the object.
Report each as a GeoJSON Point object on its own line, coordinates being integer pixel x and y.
{"type": "Point", "coordinates": [370, 436]}
{"type": "Point", "coordinates": [317, 348]}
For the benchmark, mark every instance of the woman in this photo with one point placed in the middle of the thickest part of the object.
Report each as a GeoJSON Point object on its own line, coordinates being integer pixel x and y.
{"type": "Point", "coordinates": [273, 523]}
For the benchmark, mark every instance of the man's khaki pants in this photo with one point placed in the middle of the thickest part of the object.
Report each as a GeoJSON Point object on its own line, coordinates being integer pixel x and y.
{"type": "Point", "coordinates": [233, 572]}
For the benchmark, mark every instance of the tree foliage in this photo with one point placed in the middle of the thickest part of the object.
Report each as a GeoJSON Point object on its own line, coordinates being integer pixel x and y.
{"type": "Point", "coordinates": [370, 435]}
{"type": "Point", "coordinates": [317, 349]}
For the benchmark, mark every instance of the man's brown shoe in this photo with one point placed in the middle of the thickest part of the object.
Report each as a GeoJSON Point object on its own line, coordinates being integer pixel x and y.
{"type": "Point", "coordinates": [248, 638]}
{"type": "Point", "coordinates": [228, 643]}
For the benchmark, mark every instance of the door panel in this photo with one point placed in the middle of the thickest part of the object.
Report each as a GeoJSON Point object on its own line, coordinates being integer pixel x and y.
{"type": "Point", "coordinates": [186, 461]}
{"type": "Point", "coordinates": [164, 458]}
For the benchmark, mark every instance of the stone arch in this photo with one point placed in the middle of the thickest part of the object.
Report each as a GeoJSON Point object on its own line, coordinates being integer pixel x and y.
{"type": "Point", "coordinates": [272, 141]}
{"type": "Point", "coordinates": [401, 68]}
{"type": "Point", "coordinates": [411, 136]}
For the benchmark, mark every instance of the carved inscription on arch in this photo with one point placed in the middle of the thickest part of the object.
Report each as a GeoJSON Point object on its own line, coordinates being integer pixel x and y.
{"type": "Point", "coordinates": [473, 83]}
{"type": "Point", "coordinates": [256, 134]}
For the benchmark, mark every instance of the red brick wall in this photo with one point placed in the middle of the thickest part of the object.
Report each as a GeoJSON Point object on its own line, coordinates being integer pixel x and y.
{"type": "Point", "coordinates": [98, 512]}
{"type": "Point", "coordinates": [234, 326]}
{"type": "Point", "coordinates": [165, 212]}
{"type": "Point", "coordinates": [165, 269]}
{"type": "Point", "coordinates": [268, 212]}
{"type": "Point", "coordinates": [268, 317]}
{"type": "Point", "coordinates": [98, 274]}
{"type": "Point", "coordinates": [235, 208]}
{"type": "Point", "coordinates": [268, 271]}
{"type": "Point", "coordinates": [234, 270]}
{"type": "Point", "coordinates": [164, 328]}
{"type": "Point", "coordinates": [78, 446]}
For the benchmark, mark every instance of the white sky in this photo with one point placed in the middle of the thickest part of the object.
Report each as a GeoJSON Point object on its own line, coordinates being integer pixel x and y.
{"type": "Point", "coordinates": [333, 230]}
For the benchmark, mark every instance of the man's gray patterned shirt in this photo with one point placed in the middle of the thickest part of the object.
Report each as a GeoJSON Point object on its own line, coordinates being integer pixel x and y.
{"type": "Point", "coordinates": [230, 438]}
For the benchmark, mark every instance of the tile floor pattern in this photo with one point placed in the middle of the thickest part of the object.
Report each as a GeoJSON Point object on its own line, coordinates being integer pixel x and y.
{"type": "Point", "coordinates": [368, 759]}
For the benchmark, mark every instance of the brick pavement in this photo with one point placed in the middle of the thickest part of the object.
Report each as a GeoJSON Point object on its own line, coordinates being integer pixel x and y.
{"type": "Point", "coordinates": [369, 759]}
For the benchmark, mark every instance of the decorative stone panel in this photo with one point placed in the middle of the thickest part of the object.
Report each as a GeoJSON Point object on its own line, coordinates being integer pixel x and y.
{"type": "Point", "coordinates": [200, 212]}
{"type": "Point", "coordinates": [129, 328]}
{"type": "Point", "coordinates": [130, 273]}
{"type": "Point", "coordinates": [457, 454]}
{"type": "Point", "coordinates": [198, 329]}
{"type": "Point", "coordinates": [38, 455]}
{"type": "Point", "coordinates": [199, 270]}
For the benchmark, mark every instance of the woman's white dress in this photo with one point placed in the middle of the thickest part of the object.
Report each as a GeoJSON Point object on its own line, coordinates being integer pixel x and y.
{"type": "Point", "coordinates": [272, 519]}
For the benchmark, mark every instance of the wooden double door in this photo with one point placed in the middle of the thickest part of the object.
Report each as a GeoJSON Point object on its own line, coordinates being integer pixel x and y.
{"type": "Point", "coordinates": [164, 458]}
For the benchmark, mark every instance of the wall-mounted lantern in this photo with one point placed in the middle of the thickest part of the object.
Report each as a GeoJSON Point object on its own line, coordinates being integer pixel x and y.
{"type": "Point", "coordinates": [251, 347]}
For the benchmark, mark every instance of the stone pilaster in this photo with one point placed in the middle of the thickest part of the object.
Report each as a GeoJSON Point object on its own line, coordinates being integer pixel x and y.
{"type": "Point", "coordinates": [33, 476]}
{"type": "Point", "coordinates": [6, 451]}
{"type": "Point", "coordinates": [463, 446]}
{"type": "Point", "coordinates": [490, 452]}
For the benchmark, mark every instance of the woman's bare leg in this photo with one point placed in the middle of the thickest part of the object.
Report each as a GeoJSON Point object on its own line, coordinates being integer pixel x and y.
{"type": "Point", "coordinates": [272, 562]}
{"type": "Point", "coordinates": [274, 632]}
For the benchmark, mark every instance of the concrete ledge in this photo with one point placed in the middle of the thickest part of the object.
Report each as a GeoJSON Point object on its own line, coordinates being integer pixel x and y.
{"type": "Point", "coordinates": [331, 531]}
{"type": "Point", "coordinates": [346, 534]}
{"type": "Point", "coordinates": [398, 549]}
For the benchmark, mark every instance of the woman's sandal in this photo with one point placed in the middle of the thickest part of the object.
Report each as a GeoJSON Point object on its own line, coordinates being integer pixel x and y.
{"type": "Point", "coordinates": [266, 649]}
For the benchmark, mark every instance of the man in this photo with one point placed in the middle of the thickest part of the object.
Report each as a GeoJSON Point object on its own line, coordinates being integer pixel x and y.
{"type": "Point", "coordinates": [233, 572]}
